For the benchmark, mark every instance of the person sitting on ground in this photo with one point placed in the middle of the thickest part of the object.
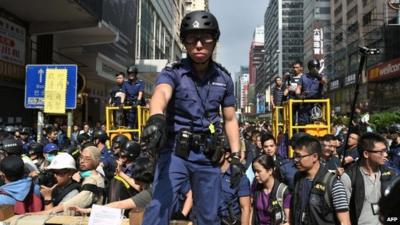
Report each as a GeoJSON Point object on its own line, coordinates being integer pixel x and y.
{"type": "Point", "coordinates": [92, 185]}
{"type": "Point", "coordinates": [17, 187]}
{"type": "Point", "coordinates": [143, 176]}
{"type": "Point", "coordinates": [63, 167]}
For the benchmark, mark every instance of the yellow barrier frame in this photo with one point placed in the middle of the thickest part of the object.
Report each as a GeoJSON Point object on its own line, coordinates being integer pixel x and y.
{"type": "Point", "coordinates": [277, 120]}
{"type": "Point", "coordinates": [288, 117]}
{"type": "Point", "coordinates": [142, 116]}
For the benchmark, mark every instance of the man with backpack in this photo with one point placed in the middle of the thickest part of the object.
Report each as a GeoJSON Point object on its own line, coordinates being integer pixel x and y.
{"type": "Point", "coordinates": [318, 197]}
{"type": "Point", "coordinates": [367, 179]}
{"type": "Point", "coordinates": [18, 190]}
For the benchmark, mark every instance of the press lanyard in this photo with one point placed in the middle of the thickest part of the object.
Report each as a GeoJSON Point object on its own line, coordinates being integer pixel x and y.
{"type": "Point", "coordinates": [211, 127]}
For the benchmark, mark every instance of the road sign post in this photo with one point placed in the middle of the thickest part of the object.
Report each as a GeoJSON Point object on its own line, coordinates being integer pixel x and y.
{"type": "Point", "coordinates": [34, 90]}
{"type": "Point", "coordinates": [35, 83]}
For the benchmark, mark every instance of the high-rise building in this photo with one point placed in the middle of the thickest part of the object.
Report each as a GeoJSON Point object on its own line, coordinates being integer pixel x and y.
{"type": "Point", "coordinates": [256, 55]}
{"type": "Point", "coordinates": [317, 33]}
{"type": "Point", "coordinates": [192, 5]}
{"type": "Point", "coordinates": [365, 23]}
{"type": "Point", "coordinates": [244, 88]}
{"type": "Point", "coordinates": [157, 38]}
{"type": "Point", "coordinates": [283, 39]}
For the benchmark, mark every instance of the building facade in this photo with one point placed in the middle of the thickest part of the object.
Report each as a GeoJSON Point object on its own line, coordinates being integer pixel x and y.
{"type": "Point", "coordinates": [256, 55]}
{"type": "Point", "coordinates": [95, 38]}
{"type": "Point", "coordinates": [102, 37]}
{"type": "Point", "coordinates": [371, 24]}
{"type": "Point", "coordinates": [192, 5]}
{"type": "Point", "coordinates": [317, 33]}
{"type": "Point", "coordinates": [157, 40]}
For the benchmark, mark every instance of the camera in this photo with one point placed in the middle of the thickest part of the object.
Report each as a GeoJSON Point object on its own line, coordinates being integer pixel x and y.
{"type": "Point", "coordinates": [46, 178]}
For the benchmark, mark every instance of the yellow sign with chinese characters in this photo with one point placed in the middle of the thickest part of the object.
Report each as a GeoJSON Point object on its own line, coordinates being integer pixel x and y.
{"type": "Point", "coordinates": [55, 91]}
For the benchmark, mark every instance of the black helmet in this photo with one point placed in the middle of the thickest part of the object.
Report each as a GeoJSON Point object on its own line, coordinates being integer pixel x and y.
{"type": "Point", "coordinates": [73, 151]}
{"type": "Point", "coordinates": [81, 138]}
{"type": "Point", "coordinates": [132, 69]}
{"type": "Point", "coordinates": [314, 64]}
{"type": "Point", "coordinates": [131, 150]}
{"type": "Point", "coordinates": [11, 146]}
{"type": "Point", "coordinates": [394, 128]}
{"type": "Point", "coordinates": [101, 135]}
{"type": "Point", "coordinates": [199, 20]}
{"type": "Point", "coordinates": [25, 130]}
{"type": "Point", "coordinates": [35, 148]}
{"type": "Point", "coordinates": [119, 141]}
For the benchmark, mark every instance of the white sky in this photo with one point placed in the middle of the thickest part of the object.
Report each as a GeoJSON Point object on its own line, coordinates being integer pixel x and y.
{"type": "Point", "coordinates": [237, 21]}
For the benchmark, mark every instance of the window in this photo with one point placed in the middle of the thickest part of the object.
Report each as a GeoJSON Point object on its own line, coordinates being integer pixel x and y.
{"type": "Point", "coordinates": [325, 10]}
{"type": "Point", "coordinates": [352, 12]}
{"type": "Point", "coordinates": [338, 10]}
{"type": "Point", "coordinates": [367, 18]}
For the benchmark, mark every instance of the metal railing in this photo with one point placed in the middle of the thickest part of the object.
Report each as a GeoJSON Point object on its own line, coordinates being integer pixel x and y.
{"type": "Point", "coordinates": [318, 128]}
{"type": "Point", "coordinates": [141, 117]}
{"type": "Point", "coordinates": [277, 115]}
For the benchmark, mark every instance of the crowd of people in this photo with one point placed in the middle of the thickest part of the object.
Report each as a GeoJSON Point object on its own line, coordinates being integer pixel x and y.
{"type": "Point", "coordinates": [89, 170]}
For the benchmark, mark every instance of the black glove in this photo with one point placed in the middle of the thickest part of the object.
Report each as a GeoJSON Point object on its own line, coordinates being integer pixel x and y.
{"type": "Point", "coordinates": [121, 106]}
{"type": "Point", "coordinates": [179, 216]}
{"type": "Point", "coordinates": [237, 171]}
{"type": "Point", "coordinates": [154, 134]}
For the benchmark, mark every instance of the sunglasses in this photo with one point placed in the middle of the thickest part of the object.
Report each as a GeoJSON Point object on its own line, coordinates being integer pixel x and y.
{"type": "Point", "coordinates": [205, 38]}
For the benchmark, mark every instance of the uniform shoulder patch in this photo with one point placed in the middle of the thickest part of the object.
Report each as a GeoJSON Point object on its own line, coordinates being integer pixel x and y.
{"type": "Point", "coordinates": [173, 65]}
{"type": "Point", "coordinates": [223, 68]}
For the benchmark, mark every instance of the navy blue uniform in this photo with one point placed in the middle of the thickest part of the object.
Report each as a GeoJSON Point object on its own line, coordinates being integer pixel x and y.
{"type": "Point", "coordinates": [311, 88]}
{"type": "Point", "coordinates": [132, 90]}
{"type": "Point", "coordinates": [394, 157]}
{"type": "Point", "coordinates": [229, 203]}
{"type": "Point", "coordinates": [108, 160]}
{"type": "Point", "coordinates": [194, 105]}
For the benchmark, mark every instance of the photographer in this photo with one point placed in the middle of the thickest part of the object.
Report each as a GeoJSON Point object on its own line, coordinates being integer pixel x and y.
{"type": "Point", "coordinates": [36, 155]}
{"type": "Point", "coordinates": [63, 167]}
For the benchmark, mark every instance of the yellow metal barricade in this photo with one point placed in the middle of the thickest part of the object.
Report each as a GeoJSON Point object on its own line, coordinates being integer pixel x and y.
{"type": "Point", "coordinates": [141, 117]}
{"type": "Point", "coordinates": [277, 113]}
{"type": "Point", "coordinates": [318, 128]}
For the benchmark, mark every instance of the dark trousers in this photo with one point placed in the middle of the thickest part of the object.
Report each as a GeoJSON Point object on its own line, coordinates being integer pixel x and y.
{"type": "Point", "coordinates": [171, 173]}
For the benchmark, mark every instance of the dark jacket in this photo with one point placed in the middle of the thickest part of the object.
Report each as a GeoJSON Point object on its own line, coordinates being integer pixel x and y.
{"type": "Point", "coordinates": [358, 188]}
{"type": "Point", "coordinates": [317, 210]}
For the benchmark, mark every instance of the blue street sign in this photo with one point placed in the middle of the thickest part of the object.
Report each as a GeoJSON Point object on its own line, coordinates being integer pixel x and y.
{"type": "Point", "coordinates": [35, 83]}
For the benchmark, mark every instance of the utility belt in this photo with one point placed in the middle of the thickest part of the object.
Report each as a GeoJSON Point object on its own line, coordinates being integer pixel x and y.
{"type": "Point", "coordinates": [212, 144]}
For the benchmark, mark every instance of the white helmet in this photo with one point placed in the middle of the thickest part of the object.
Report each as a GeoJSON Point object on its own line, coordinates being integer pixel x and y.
{"type": "Point", "coordinates": [62, 161]}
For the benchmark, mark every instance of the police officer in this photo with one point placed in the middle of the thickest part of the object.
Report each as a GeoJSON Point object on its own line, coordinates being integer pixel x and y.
{"type": "Point", "coordinates": [310, 86]}
{"type": "Point", "coordinates": [134, 89]}
{"type": "Point", "coordinates": [117, 97]}
{"type": "Point", "coordinates": [191, 93]}
{"type": "Point", "coordinates": [118, 142]}
{"type": "Point", "coordinates": [25, 139]}
{"type": "Point", "coordinates": [394, 150]}
{"type": "Point", "coordinates": [107, 160]}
